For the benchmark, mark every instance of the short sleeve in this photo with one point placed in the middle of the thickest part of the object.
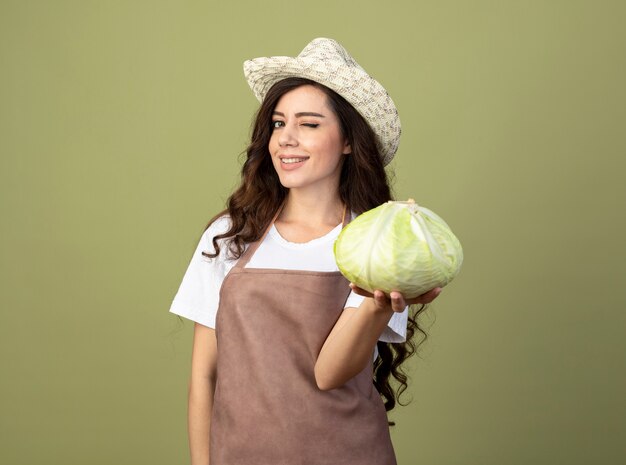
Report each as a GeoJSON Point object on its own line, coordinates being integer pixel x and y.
{"type": "Point", "coordinates": [197, 298]}
{"type": "Point", "coordinates": [396, 328]}
{"type": "Point", "coordinates": [395, 331]}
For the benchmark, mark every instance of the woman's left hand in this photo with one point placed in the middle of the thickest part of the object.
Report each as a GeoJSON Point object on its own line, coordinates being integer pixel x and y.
{"type": "Point", "coordinates": [396, 301]}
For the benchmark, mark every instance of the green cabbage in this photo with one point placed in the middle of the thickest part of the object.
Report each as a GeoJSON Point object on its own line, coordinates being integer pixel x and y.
{"type": "Point", "coordinates": [398, 246]}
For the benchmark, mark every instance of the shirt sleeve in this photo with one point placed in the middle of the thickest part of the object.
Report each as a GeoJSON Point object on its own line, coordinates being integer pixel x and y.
{"type": "Point", "coordinates": [395, 331]}
{"type": "Point", "coordinates": [197, 298]}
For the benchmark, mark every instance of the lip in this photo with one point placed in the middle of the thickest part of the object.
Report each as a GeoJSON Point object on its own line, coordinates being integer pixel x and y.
{"type": "Point", "coordinates": [293, 155]}
{"type": "Point", "coordinates": [292, 166]}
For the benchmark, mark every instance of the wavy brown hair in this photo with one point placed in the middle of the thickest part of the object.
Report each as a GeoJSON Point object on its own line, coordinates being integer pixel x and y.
{"type": "Point", "coordinates": [363, 185]}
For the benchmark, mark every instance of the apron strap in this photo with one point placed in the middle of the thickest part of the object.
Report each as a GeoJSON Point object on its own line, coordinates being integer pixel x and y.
{"type": "Point", "coordinates": [251, 248]}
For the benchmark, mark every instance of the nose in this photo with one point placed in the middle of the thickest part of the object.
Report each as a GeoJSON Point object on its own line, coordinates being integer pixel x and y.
{"type": "Point", "coordinates": [287, 136]}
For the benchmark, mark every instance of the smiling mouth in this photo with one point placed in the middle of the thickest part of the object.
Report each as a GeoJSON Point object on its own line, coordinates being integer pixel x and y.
{"type": "Point", "coordinates": [292, 160]}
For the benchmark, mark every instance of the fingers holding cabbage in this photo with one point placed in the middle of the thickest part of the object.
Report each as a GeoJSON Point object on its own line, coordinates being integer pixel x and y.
{"type": "Point", "coordinates": [395, 300]}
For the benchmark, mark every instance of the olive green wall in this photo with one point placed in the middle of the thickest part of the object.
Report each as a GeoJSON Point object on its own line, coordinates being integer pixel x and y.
{"type": "Point", "coordinates": [120, 128]}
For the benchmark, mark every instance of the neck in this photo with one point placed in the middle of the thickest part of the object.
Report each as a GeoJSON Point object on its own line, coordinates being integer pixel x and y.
{"type": "Point", "coordinates": [326, 208]}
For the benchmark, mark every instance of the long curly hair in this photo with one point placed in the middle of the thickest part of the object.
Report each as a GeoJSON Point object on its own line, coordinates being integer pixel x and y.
{"type": "Point", "coordinates": [363, 185]}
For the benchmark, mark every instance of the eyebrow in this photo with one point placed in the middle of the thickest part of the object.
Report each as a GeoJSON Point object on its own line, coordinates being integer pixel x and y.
{"type": "Point", "coordinates": [302, 113]}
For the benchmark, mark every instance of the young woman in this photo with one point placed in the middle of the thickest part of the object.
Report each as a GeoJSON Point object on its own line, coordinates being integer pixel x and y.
{"type": "Point", "coordinates": [289, 359]}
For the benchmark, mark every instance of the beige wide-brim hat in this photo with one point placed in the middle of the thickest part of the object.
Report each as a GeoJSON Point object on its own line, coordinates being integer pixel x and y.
{"type": "Point", "coordinates": [325, 61]}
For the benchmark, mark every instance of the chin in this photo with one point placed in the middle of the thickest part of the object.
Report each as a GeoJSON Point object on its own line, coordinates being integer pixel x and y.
{"type": "Point", "coordinates": [288, 183]}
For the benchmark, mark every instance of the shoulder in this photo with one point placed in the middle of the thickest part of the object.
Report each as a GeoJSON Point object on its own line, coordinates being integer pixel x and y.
{"type": "Point", "coordinates": [219, 226]}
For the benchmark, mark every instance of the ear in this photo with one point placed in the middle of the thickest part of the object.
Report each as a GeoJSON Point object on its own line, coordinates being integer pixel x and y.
{"type": "Point", "coordinates": [347, 150]}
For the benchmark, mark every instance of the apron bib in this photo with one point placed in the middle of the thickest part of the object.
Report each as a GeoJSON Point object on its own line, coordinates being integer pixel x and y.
{"type": "Point", "coordinates": [267, 409]}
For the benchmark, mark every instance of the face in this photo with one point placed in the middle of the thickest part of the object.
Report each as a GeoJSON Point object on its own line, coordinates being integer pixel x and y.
{"type": "Point", "coordinates": [307, 145]}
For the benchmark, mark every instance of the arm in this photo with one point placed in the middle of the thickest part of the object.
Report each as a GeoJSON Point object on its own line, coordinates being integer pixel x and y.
{"type": "Point", "coordinates": [349, 346]}
{"type": "Point", "coordinates": [201, 391]}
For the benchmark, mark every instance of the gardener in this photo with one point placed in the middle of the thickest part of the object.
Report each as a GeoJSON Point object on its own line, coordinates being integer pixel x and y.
{"type": "Point", "coordinates": [282, 368]}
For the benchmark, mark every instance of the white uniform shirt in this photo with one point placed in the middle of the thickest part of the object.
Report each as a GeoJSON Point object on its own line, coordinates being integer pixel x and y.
{"type": "Point", "coordinates": [197, 298]}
